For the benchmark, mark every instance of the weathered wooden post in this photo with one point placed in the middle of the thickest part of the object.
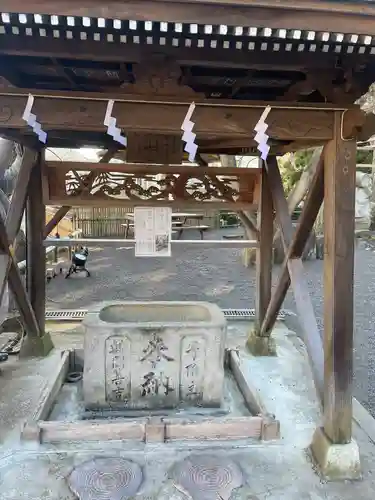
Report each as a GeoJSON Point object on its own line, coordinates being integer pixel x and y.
{"type": "Point", "coordinates": [333, 448]}
{"type": "Point", "coordinates": [39, 344]}
{"type": "Point", "coordinates": [263, 344]}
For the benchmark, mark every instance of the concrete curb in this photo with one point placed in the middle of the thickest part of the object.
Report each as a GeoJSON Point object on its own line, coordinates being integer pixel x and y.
{"type": "Point", "coordinates": [360, 415]}
{"type": "Point", "coordinates": [364, 419]}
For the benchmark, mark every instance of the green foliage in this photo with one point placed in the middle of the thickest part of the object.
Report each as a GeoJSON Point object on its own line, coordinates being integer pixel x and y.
{"type": "Point", "coordinates": [364, 156]}
{"type": "Point", "coordinates": [291, 167]}
{"type": "Point", "coordinates": [293, 164]}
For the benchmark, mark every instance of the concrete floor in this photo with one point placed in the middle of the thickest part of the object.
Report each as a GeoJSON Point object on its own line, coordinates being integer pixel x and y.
{"type": "Point", "coordinates": [275, 470]}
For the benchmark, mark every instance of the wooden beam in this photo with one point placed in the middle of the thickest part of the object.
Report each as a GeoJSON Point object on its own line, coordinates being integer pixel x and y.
{"type": "Point", "coordinates": [339, 204]}
{"type": "Point", "coordinates": [55, 220]}
{"type": "Point", "coordinates": [17, 287]}
{"type": "Point", "coordinates": [302, 298]}
{"type": "Point", "coordinates": [16, 209]}
{"type": "Point", "coordinates": [17, 205]}
{"type": "Point", "coordinates": [303, 15]}
{"type": "Point", "coordinates": [249, 225]}
{"type": "Point", "coordinates": [84, 112]}
{"type": "Point", "coordinates": [309, 213]}
{"type": "Point", "coordinates": [264, 252]}
{"type": "Point", "coordinates": [62, 211]}
{"type": "Point", "coordinates": [230, 188]}
{"type": "Point", "coordinates": [149, 169]}
{"type": "Point", "coordinates": [36, 256]}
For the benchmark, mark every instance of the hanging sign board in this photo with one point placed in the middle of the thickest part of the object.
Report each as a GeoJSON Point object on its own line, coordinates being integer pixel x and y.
{"type": "Point", "coordinates": [153, 231]}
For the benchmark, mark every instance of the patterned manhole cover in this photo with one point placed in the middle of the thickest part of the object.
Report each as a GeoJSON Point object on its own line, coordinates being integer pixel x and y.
{"type": "Point", "coordinates": [106, 478]}
{"type": "Point", "coordinates": [206, 477]}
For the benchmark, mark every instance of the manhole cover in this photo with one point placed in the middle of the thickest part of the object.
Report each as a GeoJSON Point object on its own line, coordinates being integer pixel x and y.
{"type": "Point", "coordinates": [104, 478]}
{"type": "Point", "coordinates": [206, 477]}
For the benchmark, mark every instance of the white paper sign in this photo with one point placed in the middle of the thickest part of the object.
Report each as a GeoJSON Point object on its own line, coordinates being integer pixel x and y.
{"type": "Point", "coordinates": [153, 231]}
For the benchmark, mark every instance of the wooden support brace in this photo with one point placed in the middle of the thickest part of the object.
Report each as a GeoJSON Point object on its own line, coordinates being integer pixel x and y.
{"type": "Point", "coordinates": [16, 285]}
{"type": "Point", "coordinates": [62, 211]}
{"type": "Point", "coordinates": [37, 343]}
{"type": "Point", "coordinates": [295, 269]}
{"type": "Point", "coordinates": [16, 209]}
{"type": "Point", "coordinates": [250, 228]}
{"type": "Point", "coordinates": [309, 213]}
{"type": "Point", "coordinates": [17, 206]}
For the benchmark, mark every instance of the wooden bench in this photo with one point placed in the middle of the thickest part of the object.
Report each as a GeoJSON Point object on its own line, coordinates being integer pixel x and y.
{"type": "Point", "coordinates": [181, 229]}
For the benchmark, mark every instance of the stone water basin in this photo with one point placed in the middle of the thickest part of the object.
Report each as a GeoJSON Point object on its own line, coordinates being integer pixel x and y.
{"type": "Point", "coordinates": [153, 355]}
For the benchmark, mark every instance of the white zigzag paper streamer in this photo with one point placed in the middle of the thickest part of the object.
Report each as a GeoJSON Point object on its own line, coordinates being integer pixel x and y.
{"type": "Point", "coordinates": [261, 137]}
{"type": "Point", "coordinates": [188, 136]}
{"type": "Point", "coordinates": [110, 123]}
{"type": "Point", "coordinates": [31, 120]}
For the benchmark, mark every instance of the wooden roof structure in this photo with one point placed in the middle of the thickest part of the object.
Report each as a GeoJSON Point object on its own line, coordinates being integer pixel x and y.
{"type": "Point", "coordinates": [307, 59]}
{"type": "Point", "coordinates": [250, 53]}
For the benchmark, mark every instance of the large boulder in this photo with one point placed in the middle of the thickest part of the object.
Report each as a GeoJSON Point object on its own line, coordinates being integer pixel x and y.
{"type": "Point", "coordinates": [363, 200]}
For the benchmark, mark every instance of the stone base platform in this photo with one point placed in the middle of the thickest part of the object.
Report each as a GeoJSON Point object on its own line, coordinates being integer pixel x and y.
{"type": "Point", "coordinates": [238, 470]}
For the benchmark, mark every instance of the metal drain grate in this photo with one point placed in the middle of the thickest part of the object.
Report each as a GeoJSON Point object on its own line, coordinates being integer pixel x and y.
{"type": "Point", "coordinates": [66, 314]}
{"type": "Point", "coordinates": [246, 314]}
{"type": "Point", "coordinates": [79, 314]}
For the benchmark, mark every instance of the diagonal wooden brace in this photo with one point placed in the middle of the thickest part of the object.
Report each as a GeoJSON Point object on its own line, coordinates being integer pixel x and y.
{"type": "Point", "coordinates": [292, 270]}
{"type": "Point", "coordinates": [17, 205]}
{"type": "Point", "coordinates": [307, 218]}
{"type": "Point", "coordinates": [62, 211]}
{"type": "Point", "coordinates": [10, 271]}
{"type": "Point", "coordinates": [16, 209]}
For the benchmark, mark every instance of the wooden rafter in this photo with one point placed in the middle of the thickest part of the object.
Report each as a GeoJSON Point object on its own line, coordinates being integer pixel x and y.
{"type": "Point", "coordinates": [312, 15]}
{"type": "Point", "coordinates": [223, 58]}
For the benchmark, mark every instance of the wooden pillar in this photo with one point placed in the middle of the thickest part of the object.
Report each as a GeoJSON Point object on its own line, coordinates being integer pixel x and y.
{"type": "Point", "coordinates": [334, 450]}
{"type": "Point", "coordinates": [36, 256]}
{"type": "Point", "coordinates": [339, 218]}
{"type": "Point", "coordinates": [264, 251]}
{"type": "Point", "coordinates": [262, 345]}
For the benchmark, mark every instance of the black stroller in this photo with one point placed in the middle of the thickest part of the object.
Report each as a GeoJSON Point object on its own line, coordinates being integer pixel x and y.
{"type": "Point", "coordinates": [79, 260]}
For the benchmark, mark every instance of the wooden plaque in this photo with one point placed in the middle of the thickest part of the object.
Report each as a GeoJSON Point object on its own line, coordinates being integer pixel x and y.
{"type": "Point", "coordinates": [154, 148]}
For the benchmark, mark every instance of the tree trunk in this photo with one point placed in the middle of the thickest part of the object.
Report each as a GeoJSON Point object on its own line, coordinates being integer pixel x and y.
{"type": "Point", "coordinates": [10, 162]}
{"type": "Point", "coordinates": [372, 221]}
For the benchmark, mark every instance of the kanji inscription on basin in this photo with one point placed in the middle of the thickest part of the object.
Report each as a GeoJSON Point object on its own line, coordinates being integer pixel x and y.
{"type": "Point", "coordinates": [145, 355]}
{"type": "Point", "coordinates": [117, 369]}
{"type": "Point", "coordinates": [193, 354]}
{"type": "Point", "coordinates": [155, 369]}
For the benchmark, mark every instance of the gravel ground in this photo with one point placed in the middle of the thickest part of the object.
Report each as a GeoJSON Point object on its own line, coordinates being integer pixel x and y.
{"type": "Point", "coordinates": [217, 275]}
